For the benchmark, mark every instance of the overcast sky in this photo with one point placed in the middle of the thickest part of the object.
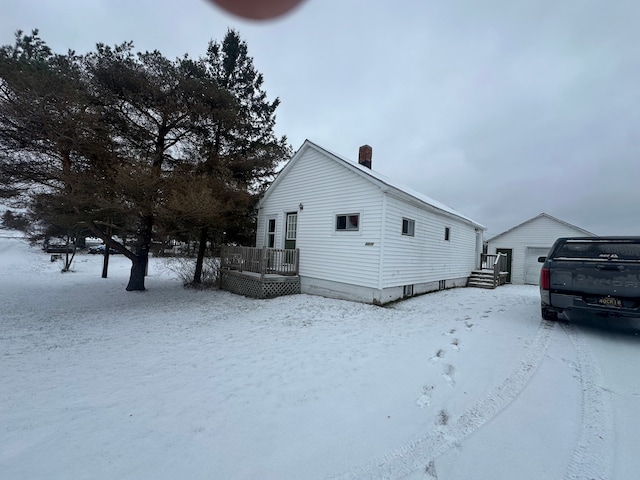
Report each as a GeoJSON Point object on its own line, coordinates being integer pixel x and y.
{"type": "Point", "coordinates": [500, 109]}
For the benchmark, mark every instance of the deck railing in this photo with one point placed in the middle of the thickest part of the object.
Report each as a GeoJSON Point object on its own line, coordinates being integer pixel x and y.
{"type": "Point", "coordinates": [263, 260]}
{"type": "Point", "coordinates": [498, 264]}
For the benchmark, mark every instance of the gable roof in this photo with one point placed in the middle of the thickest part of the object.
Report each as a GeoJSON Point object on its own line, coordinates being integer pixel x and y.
{"type": "Point", "coordinates": [383, 182]}
{"type": "Point", "coordinates": [544, 215]}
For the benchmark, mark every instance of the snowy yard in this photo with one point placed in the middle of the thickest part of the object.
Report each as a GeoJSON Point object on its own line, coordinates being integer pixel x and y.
{"type": "Point", "coordinates": [98, 383]}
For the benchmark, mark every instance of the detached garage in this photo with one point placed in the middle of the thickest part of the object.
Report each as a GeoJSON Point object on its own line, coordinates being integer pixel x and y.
{"type": "Point", "coordinates": [524, 243]}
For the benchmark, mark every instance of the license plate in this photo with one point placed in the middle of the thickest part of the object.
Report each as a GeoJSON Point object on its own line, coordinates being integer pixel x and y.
{"type": "Point", "coordinates": [610, 301]}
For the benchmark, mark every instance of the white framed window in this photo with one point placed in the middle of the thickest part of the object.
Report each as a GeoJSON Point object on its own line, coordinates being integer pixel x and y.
{"type": "Point", "coordinates": [447, 234]}
{"type": "Point", "coordinates": [271, 232]}
{"type": "Point", "coordinates": [408, 227]}
{"type": "Point", "coordinates": [292, 226]}
{"type": "Point", "coordinates": [348, 222]}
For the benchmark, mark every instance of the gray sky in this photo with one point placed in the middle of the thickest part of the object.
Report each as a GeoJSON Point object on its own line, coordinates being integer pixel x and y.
{"type": "Point", "coordinates": [500, 109]}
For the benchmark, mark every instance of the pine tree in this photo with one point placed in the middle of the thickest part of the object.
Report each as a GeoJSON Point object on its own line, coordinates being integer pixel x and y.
{"type": "Point", "coordinates": [156, 108]}
{"type": "Point", "coordinates": [136, 143]}
{"type": "Point", "coordinates": [243, 149]}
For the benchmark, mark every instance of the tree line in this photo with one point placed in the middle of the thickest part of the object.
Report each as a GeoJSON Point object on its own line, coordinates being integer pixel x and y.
{"type": "Point", "coordinates": [118, 142]}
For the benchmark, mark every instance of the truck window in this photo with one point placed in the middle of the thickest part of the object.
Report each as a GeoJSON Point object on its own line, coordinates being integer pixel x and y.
{"type": "Point", "coordinates": [601, 250]}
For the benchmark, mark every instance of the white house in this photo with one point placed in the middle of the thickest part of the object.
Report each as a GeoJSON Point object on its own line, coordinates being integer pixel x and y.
{"type": "Point", "coordinates": [524, 243]}
{"type": "Point", "coordinates": [362, 236]}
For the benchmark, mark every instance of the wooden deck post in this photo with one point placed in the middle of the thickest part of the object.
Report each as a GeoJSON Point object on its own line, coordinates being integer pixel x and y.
{"type": "Point", "coordinates": [263, 262]}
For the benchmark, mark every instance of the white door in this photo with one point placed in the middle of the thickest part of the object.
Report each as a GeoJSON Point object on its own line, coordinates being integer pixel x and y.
{"type": "Point", "coordinates": [531, 265]}
{"type": "Point", "coordinates": [291, 229]}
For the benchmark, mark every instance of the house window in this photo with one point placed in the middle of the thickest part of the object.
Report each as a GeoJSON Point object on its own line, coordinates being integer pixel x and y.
{"type": "Point", "coordinates": [407, 291]}
{"type": "Point", "coordinates": [408, 227]}
{"type": "Point", "coordinates": [271, 233]}
{"type": "Point", "coordinates": [292, 226]}
{"type": "Point", "coordinates": [348, 222]}
{"type": "Point", "coordinates": [447, 233]}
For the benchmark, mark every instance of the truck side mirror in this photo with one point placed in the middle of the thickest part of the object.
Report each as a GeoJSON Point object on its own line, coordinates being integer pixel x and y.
{"type": "Point", "coordinates": [542, 259]}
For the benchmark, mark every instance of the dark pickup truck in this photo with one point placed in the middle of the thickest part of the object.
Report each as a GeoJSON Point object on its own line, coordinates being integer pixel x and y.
{"type": "Point", "coordinates": [591, 275]}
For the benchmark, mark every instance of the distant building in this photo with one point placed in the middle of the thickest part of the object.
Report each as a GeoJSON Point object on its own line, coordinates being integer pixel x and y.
{"type": "Point", "coordinates": [524, 243]}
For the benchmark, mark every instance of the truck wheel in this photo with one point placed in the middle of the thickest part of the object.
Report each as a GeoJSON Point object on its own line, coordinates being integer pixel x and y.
{"type": "Point", "coordinates": [549, 314]}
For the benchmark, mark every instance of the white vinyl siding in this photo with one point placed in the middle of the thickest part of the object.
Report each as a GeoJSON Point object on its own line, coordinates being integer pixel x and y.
{"type": "Point", "coordinates": [425, 257]}
{"type": "Point", "coordinates": [533, 236]}
{"type": "Point", "coordinates": [343, 256]}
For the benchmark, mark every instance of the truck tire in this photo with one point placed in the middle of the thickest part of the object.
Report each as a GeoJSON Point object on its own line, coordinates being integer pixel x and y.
{"type": "Point", "coordinates": [549, 314]}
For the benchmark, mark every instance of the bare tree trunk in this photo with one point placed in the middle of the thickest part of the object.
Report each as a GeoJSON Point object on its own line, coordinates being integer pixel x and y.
{"type": "Point", "coordinates": [138, 270]}
{"type": "Point", "coordinates": [141, 258]}
{"type": "Point", "coordinates": [67, 260]}
{"type": "Point", "coordinates": [105, 259]}
{"type": "Point", "coordinates": [105, 262]}
{"type": "Point", "coordinates": [202, 247]}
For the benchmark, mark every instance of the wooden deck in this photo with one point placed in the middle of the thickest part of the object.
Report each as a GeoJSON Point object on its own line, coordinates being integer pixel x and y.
{"type": "Point", "coordinates": [259, 272]}
{"type": "Point", "coordinates": [263, 261]}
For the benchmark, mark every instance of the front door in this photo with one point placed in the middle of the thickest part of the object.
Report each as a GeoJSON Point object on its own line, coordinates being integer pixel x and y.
{"type": "Point", "coordinates": [509, 253]}
{"type": "Point", "coordinates": [291, 228]}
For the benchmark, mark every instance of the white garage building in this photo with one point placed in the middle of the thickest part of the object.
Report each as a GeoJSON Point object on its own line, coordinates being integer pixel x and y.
{"type": "Point", "coordinates": [524, 243]}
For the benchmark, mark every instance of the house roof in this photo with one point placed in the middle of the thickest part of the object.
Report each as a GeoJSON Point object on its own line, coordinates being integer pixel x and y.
{"type": "Point", "coordinates": [544, 215]}
{"type": "Point", "coordinates": [380, 180]}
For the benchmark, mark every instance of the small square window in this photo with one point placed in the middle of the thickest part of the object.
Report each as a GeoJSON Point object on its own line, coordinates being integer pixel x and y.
{"type": "Point", "coordinates": [408, 227]}
{"type": "Point", "coordinates": [407, 291]}
{"type": "Point", "coordinates": [348, 222]}
{"type": "Point", "coordinates": [447, 233]}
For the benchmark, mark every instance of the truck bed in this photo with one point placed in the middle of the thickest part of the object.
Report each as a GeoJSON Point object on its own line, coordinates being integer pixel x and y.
{"type": "Point", "coordinates": [592, 275]}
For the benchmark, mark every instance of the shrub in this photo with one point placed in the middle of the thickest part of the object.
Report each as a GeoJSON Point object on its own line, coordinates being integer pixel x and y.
{"type": "Point", "coordinates": [185, 268]}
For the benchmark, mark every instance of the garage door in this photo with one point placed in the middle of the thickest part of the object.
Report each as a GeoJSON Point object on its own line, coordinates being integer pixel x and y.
{"type": "Point", "coordinates": [531, 265]}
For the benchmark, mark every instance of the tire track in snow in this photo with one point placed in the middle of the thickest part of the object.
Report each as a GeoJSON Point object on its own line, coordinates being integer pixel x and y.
{"type": "Point", "coordinates": [421, 453]}
{"type": "Point", "coordinates": [592, 458]}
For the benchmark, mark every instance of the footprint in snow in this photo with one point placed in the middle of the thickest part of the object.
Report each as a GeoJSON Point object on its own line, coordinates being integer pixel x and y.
{"type": "Point", "coordinates": [439, 354]}
{"type": "Point", "coordinates": [425, 397]}
{"type": "Point", "coordinates": [455, 344]}
{"type": "Point", "coordinates": [430, 470]}
{"type": "Point", "coordinates": [449, 370]}
{"type": "Point", "coordinates": [442, 418]}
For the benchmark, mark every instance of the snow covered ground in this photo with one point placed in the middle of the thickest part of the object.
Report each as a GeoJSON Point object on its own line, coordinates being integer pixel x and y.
{"type": "Point", "coordinates": [99, 383]}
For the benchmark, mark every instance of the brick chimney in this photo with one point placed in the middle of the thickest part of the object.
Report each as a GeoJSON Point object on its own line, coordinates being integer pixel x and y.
{"type": "Point", "coordinates": [364, 156]}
